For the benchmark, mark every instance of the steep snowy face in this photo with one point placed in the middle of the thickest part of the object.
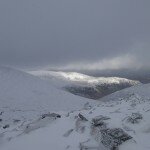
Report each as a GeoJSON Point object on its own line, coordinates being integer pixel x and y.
{"type": "Point", "coordinates": [83, 85]}
{"type": "Point", "coordinates": [119, 122]}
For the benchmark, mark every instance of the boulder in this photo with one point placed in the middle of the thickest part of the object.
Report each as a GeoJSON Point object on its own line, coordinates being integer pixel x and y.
{"type": "Point", "coordinates": [99, 120]}
{"type": "Point", "coordinates": [112, 138]}
{"type": "Point", "coordinates": [135, 118]}
{"type": "Point", "coordinates": [51, 115]}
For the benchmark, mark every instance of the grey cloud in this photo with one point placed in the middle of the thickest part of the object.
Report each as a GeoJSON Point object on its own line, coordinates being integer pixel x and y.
{"type": "Point", "coordinates": [60, 32]}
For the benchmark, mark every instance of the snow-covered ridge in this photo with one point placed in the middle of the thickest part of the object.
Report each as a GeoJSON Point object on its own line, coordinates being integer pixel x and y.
{"type": "Point", "coordinates": [83, 85]}
{"type": "Point", "coordinates": [78, 77]}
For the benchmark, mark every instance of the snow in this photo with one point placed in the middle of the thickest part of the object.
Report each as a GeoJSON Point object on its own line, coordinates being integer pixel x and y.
{"type": "Point", "coordinates": [83, 85]}
{"type": "Point", "coordinates": [19, 90]}
{"type": "Point", "coordinates": [75, 77]}
{"type": "Point", "coordinates": [26, 98]}
{"type": "Point", "coordinates": [71, 132]}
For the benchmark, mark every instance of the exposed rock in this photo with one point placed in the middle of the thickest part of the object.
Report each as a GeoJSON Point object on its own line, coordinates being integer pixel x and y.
{"type": "Point", "coordinates": [87, 91]}
{"type": "Point", "coordinates": [6, 126]}
{"type": "Point", "coordinates": [98, 90]}
{"type": "Point", "coordinates": [135, 118]}
{"type": "Point", "coordinates": [16, 120]}
{"type": "Point", "coordinates": [98, 124]}
{"type": "Point", "coordinates": [112, 138]}
{"type": "Point", "coordinates": [1, 113]}
{"type": "Point", "coordinates": [80, 123]}
{"type": "Point", "coordinates": [68, 133]}
{"type": "Point", "coordinates": [53, 115]}
{"type": "Point", "coordinates": [99, 120]}
{"type": "Point", "coordinates": [82, 117]}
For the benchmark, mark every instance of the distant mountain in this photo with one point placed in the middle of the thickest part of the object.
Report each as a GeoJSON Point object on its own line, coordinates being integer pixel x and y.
{"type": "Point", "coordinates": [141, 74]}
{"type": "Point", "coordinates": [84, 85]}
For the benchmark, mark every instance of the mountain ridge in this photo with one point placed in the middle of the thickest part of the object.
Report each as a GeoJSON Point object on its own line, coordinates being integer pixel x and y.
{"type": "Point", "coordinates": [84, 85]}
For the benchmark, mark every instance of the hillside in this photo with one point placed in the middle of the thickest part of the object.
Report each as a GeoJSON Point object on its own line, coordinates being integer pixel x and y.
{"type": "Point", "coordinates": [24, 91]}
{"type": "Point", "coordinates": [120, 121]}
{"type": "Point", "coordinates": [24, 97]}
{"type": "Point", "coordinates": [83, 85]}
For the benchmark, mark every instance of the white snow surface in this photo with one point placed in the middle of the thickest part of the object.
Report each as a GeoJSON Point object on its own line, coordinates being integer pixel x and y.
{"type": "Point", "coordinates": [71, 133]}
{"type": "Point", "coordinates": [20, 90]}
{"type": "Point", "coordinates": [63, 78]}
{"type": "Point", "coordinates": [24, 97]}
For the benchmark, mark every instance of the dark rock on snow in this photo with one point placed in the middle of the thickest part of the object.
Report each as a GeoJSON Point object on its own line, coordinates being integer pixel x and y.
{"type": "Point", "coordinates": [112, 138]}
{"type": "Point", "coordinates": [135, 118]}
{"type": "Point", "coordinates": [51, 115]}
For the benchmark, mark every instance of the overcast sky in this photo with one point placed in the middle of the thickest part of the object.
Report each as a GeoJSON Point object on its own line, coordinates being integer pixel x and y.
{"type": "Point", "coordinates": [75, 33]}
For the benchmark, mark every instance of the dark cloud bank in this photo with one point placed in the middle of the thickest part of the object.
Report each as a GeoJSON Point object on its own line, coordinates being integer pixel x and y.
{"type": "Point", "coordinates": [75, 34]}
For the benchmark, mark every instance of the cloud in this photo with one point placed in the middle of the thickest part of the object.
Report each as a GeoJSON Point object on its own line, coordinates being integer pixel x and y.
{"type": "Point", "coordinates": [97, 33]}
{"type": "Point", "coordinates": [127, 61]}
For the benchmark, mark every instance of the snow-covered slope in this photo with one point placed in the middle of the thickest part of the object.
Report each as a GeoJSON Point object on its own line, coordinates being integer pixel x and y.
{"type": "Point", "coordinates": [83, 85]}
{"type": "Point", "coordinates": [20, 90]}
{"type": "Point", "coordinates": [120, 121]}
{"type": "Point", "coordinates": [23, 97]}
{"type": "Point", "coordinates": [81, 78]}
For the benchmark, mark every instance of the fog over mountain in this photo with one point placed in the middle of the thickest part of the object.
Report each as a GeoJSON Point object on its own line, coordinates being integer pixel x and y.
{"type": "Point", "coordinates": [75, 34]}
{"type": "Point", "coordinates": [74, 74]}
